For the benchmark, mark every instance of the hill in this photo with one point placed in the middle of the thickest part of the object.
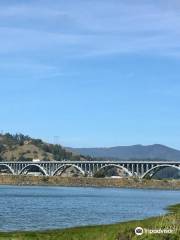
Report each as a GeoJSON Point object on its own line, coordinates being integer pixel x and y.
{"type": "Point", "coordinates": [19, 147]}
{"type": "Point", "coordinates": [155, 151]}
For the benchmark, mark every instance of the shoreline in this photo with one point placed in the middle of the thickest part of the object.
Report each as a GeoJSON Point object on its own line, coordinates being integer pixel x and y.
{"type": "Point", "coordinates": [135, 183]}
{"type": "Point", "coordinates": [116, 231]}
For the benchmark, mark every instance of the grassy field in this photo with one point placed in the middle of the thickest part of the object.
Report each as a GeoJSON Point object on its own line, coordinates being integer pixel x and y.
{"type": "Point", "coordinates": [121, 231]}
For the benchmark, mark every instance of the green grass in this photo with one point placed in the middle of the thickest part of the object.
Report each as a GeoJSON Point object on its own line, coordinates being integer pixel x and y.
{"type": "Point", "coordinates": [121, 231]}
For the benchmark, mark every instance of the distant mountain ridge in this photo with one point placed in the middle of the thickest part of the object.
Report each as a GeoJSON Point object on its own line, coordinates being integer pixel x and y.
{"type": "Point", "coordinates": [155, 151]}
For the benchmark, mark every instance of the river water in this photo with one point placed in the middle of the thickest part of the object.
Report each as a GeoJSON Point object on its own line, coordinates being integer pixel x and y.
{"type": "Point", "coordinates": [40, 208]}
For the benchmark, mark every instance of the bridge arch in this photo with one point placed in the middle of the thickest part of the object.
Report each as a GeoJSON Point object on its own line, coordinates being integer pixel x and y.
{"type": "Point", "coordinates": [159, 167]}
{"type": "Point", "coordinates": [65, 166]}
{"type": "Point", "coordinates": [7, 167]}
{"type": "Point", "coordinates": [116, 166]}
{"type": "Point", "coordinates": [33, 165]}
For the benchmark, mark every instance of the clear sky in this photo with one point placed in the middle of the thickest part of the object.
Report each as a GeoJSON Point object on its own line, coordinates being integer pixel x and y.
{"type": "Point", "coordinates": [92, 72]}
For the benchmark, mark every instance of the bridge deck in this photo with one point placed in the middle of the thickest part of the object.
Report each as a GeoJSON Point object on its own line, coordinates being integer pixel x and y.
{"type": "Point", "coordinates": [95, 162]}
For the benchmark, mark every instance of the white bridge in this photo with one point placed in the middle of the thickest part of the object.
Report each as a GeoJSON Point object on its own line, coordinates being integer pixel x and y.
{"type": "Point", "coordinates": [140, 169]}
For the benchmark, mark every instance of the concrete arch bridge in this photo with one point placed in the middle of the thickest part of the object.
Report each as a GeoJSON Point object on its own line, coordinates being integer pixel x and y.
{"type": "Point", "coordinates": [141, 169]}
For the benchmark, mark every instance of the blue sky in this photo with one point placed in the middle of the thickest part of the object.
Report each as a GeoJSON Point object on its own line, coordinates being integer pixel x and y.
{"type": "Point", "coordinates": [92, 72]}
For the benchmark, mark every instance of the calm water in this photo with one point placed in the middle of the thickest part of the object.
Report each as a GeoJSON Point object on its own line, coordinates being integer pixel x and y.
{"type": "Point", "coordinates": [38, 208]}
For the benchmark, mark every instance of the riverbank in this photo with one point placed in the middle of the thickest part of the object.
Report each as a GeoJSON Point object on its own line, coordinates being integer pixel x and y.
{"type": "Point", "coordinates": [89, 182]}
{"type": "Point", "coordinates": [122, 231]}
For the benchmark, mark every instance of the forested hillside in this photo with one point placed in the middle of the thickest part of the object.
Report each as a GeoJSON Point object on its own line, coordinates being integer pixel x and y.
{"type": "Point", "coordinates": [19, 147]}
